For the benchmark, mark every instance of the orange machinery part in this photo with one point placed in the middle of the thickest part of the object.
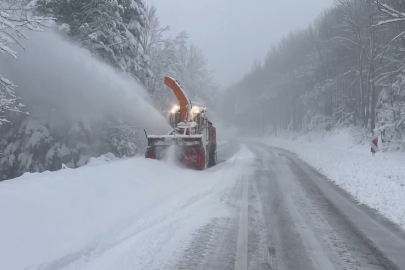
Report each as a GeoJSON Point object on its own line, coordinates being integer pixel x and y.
{"type": "Point", "coordinates": [183, 102]}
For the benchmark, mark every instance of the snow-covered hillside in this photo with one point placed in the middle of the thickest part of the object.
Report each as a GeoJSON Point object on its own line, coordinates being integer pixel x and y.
{"type": "Point", "coordinates": [118, 214]}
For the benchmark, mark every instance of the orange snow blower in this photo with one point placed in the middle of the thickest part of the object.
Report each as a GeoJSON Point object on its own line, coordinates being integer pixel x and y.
{"type": "Point", "coordinates": [193, 134]}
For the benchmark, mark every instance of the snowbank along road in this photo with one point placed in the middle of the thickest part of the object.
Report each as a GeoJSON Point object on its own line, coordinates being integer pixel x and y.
{"type": "Point", "coordinates": [260, 208]}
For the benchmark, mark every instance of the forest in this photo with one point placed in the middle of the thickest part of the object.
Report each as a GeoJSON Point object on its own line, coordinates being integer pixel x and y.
{"type": "Point", "coordinates": [346, 69]}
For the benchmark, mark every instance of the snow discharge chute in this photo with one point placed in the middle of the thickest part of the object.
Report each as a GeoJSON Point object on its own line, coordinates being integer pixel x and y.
{"type": "Point", "coordinates": [184, 102]}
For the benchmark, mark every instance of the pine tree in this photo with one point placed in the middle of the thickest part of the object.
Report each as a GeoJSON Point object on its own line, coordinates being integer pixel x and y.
{"type": "Point", "coordinates": [26, 148]}
{"type": "Point", "coordinates": [109, 29]}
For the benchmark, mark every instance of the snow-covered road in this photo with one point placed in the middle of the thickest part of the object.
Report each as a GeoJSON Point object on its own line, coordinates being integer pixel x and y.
{"type": "Point", "coordinates": [296, 219]}
{"type": "Point", "coordinates": [259, 208]}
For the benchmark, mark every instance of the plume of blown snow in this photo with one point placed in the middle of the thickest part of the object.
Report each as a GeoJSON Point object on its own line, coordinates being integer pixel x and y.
{"type": "Point", "coordinates": [171, 155]}
{"type": "Point", "coordinates": [58, 78]}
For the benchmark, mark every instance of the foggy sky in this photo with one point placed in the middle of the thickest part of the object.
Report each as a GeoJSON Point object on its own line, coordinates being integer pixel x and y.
{"type": "Point", "coordinates": [234, 33]}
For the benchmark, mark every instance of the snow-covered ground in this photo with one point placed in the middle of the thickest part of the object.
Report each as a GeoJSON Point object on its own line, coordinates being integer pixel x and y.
{"type": "Point", "coordinates": [378, 181]}
{"type": "Point", "coordinates": [110, 214]}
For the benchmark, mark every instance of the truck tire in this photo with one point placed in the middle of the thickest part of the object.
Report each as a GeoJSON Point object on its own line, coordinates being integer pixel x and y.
{"type": "Point", "coordinates": [213, 155]}
{"type": "Point", "coordinates": [207, 157]}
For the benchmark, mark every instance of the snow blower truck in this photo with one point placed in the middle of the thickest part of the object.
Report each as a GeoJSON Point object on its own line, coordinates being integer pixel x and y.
{"type": "Point", "coordinates": [192, 134]}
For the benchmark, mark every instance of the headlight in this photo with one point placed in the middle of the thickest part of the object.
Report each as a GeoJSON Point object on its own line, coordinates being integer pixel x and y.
{"type": "Point", "coordinates": [195, 110]}
{"type": "Point", "coordinates": [175, 109]}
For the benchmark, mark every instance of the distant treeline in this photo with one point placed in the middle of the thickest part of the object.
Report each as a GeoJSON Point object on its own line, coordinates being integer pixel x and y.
{"type": "Point", "coordinates": [347, 68]}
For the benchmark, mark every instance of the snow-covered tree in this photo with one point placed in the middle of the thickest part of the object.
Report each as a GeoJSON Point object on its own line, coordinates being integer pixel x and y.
{"type": "Point", "coordinates": [155, 42]}
{"type": "Point", "coordinates": [108, 28]}
{"type": "Point", "coordinates": [15, 17]}
{"type": "Point", "coordinates": [391, 115]}
{"type": "Point", "coordinates": [172, 56]}
{"type": "Point", "coordinates": [26, 148]}
{"type": "Point", "coordinates": [191, 70]}
{"type": "Point", "coordinates": [122, 138]}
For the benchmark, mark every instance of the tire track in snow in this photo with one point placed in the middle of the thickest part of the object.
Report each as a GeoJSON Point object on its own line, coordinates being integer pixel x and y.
{"type": "Point", "coordinates": [241, 259]}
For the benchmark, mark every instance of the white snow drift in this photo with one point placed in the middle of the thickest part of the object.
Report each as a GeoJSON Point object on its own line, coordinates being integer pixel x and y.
{"type": "Point", "coordinates": [121, 214]}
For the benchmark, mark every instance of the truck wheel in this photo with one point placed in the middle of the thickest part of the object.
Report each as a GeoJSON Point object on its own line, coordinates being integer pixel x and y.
{"type": "Point", "coordinates": [213, 156]}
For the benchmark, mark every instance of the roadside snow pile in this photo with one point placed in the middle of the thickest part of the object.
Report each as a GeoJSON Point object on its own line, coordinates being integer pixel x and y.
{"type": "Point", "coordinates": [110, 214]}
{"type": "Point", "coordinates": [378, 182]}
{"type": "Point", "coordinates": [93, 161]}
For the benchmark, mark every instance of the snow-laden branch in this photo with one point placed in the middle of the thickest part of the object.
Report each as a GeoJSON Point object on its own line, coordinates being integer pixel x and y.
{"type": "Point", "coordinates": [390, 21]}
{"type": "Point", "coordinates": [340, 39]}
{"type": "Point", "coordinates": [390, 10]}
{"type": "Point", "coordinates": [15, 16]}
{"type": "Point", "coordinates": [394, 15]}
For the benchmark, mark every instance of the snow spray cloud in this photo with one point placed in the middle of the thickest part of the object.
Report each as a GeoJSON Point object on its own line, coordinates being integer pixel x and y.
{"type": "Point", "coordinates": [171, 156]}
{"type": "Point", "coordinates": [62, 81]}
